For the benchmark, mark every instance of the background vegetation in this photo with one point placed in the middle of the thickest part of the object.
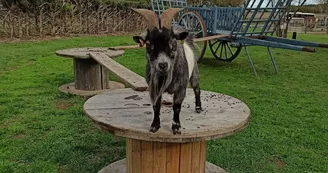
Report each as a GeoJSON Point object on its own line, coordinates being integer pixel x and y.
{"type": "Point", "coordinates": [26, 18]}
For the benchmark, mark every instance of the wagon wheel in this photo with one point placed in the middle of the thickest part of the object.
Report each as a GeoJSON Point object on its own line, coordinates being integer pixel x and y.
{"type": "Point", "coordinates": [225, 50]}
{"type": "Point", "coordinates": [195, 24]}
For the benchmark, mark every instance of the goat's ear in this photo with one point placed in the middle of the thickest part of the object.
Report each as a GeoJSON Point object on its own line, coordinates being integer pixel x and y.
{"type": "Point", "coordinates": [140, 40]}
{"type": "Point", "coordinates": [179, 32]}
{"type": "Point", "coordinates": [181, 35]}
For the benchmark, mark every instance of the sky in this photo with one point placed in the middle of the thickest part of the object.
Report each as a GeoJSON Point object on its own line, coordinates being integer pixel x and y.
{"type": "Point", "coordinates": [296, 2]}
{"type": "Point", "coordinates": [311, 2]}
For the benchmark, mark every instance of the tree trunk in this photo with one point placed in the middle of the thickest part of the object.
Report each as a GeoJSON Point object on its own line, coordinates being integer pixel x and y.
{"type": "Point", "coordinates": [97, 22]}
{"type": "Point", "coordinates": [53, 27]}
{"type": "Point", "coordinates": [20, 26]}
{"type": "Point", "coordinates": [327, 24]}
{"type": "Point", "coordinates": [40, 23]}
{"type": "Point", "coordinates": [27, 33]}
{"type": "Point", "coordinates": [81, 22]}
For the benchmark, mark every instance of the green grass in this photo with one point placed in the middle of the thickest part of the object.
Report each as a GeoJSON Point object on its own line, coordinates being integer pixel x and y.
{"type": "Point", "coordinates": [43, 130]}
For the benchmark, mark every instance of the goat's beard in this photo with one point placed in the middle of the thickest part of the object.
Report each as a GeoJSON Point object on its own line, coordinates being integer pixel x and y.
{"type": "Point", "coordinates": [158, 84]}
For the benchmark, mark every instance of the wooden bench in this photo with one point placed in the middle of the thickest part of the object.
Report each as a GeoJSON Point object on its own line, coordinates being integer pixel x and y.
{"type": "Point", "coordinates": [127, 76]}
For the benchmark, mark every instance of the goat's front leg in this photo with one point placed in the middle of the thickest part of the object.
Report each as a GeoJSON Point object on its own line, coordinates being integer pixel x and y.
{"type": "Point", "coordinates": [156, 124]}
{"type": "Point", "coordinates": [194, 81]}
{"type": "Point", "coordinates": [177, 101]}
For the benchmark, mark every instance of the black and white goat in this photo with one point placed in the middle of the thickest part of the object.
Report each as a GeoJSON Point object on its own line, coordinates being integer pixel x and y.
{"type": "Point", "coordinates": [170, 64]}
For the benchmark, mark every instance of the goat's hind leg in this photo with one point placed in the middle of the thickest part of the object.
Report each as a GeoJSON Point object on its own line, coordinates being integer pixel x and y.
{"type": "Point", "coordinates": [194, 81]}
{"type": "Point", "coordinates": [156, 124]}
{"type": "Point", "coordinates": [177, 101]}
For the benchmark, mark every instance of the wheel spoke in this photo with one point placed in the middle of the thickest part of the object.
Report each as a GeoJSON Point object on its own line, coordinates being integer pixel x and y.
{"type": "Point", "coordinates": [189, 22]}
{"type": "Point", "coordinates": [216, 50]}
{"type": "Point", "coordinates": [221, 50]}
{"type": "Point", "coordinates": [193, 23]}
{"type": "Point", "coordinates": [197, 24]}
{"type": "Point", "coordinates": [196, 45]}
{"type": "Point", "coordinates": [225, 50]}
{"type": "Point", "coordinates": [215, 42]}
{"type": "Point", "coordinates": [196, 34]}
{"type": "Point", "coordinates": [230, 50]}
{"type": "Point", "coordinates": [185, 23]}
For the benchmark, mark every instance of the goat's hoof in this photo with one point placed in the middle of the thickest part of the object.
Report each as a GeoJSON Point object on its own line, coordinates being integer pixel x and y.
{"type": "Point", "coordinates": [198, 109]}
{"type": "Point", "coordinates": [154, 129]}
{"type": "Point", "coordinates": [176, 128]}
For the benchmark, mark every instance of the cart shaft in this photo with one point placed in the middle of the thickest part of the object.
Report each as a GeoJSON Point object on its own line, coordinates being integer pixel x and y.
{"type": "Point", "coordinates": [251, 41]}
{"type": "Point", "coordinates": [288, 41]}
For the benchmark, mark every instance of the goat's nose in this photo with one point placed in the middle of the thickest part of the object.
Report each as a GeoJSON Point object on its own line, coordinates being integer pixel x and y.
{"type": "Point", "coordinates": [163, 65]}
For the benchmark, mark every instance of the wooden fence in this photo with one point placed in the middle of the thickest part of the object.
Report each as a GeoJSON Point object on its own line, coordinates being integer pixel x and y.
{"type": "Point", "coordinates": [14, 23]}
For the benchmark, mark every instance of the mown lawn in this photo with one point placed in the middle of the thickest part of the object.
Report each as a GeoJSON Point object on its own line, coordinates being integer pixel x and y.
{"type": "Point", "coordinates": [43, 130]}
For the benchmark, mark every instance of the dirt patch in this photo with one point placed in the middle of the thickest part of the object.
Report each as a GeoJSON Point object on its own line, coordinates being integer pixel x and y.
{"type": "Point", "coordinates": [278, 162]}
{"type": "Point", "coordinates": [63, 104]}
{"type": "Point", "coordinates": [21, 136]}
{"type": "Point", "coordinates": [49, 38]}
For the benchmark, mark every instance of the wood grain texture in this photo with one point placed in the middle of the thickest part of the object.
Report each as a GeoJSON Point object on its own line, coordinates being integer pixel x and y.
{"type": "Point", "coordinates": [129, 157]}
{"type": "Point", "coordinates": [185, 158]}
{"type": "Point", "coordinates": [195, 158]}
{"type": "Point", "coordinates": [136, 156]}
{"type": "Point", "coordinates": [210, 38]}
{"type": "Point", "coordinates": [84, 53]}
{"type": "Point", "coordinates": [89, 75]}
{"type": "Point", "coordinates": [173, 157]}
{"type": "Point", "coordinates": [147, 157]}
{"type": "Point", "coordinates": [70, 89]}
{"type": "Point", "coordinates": [159, 165]}
{"type": "Point", "coordinates": [128, 113]}
{"type": "Point", "coordinates": [162, 157]}
{"type": "Point", "coordinates": [136, 46]}
{"type": "Point", "coordinates": [104, 78]}
{"type": "Point", "coordinates": [132, 79]}
{"type": "Point", "coordinates": [202, 156]}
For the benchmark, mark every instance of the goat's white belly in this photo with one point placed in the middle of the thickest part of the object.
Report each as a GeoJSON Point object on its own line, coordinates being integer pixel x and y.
{"type": "Point", "coordinates": [190, 58]}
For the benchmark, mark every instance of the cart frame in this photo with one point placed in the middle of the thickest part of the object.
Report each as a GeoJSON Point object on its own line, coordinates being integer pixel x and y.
{"type": "Point", "coordinates": [254, 24]}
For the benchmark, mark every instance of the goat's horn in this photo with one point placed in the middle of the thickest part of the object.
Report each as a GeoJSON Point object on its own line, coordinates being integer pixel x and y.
{"type": "Point", "coordinates": [150, 16]}
{"type": "Point", "coordinates": [167, 16]}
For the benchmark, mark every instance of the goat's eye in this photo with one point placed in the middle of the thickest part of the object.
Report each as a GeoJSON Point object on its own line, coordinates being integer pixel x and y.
{"type": "Point", "coordinates": [174, 46]}
{"type": "Point", "coordinates": [149, 47]}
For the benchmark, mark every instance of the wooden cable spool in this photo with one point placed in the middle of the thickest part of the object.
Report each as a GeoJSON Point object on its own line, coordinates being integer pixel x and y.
{"type": "Point", "coordinates": [90, 77]}
{"type": "Point", "coordinates": [127, 113]}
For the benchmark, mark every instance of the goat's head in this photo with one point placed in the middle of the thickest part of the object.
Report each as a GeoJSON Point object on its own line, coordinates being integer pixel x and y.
{"type": "Point", "coordinates": [161, 40]}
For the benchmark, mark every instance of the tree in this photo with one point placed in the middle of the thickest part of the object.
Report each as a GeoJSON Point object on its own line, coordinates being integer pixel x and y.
{"type": "Point", "coordinates": [324, 5]}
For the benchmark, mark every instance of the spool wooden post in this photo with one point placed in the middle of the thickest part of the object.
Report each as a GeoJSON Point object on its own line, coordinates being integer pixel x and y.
{"type": "Point", "coordinates": [127, 113]}
{"type": "Point", "coordinates": [90, 77]}
{"type": "Point", "coordinates": [161, 157]}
